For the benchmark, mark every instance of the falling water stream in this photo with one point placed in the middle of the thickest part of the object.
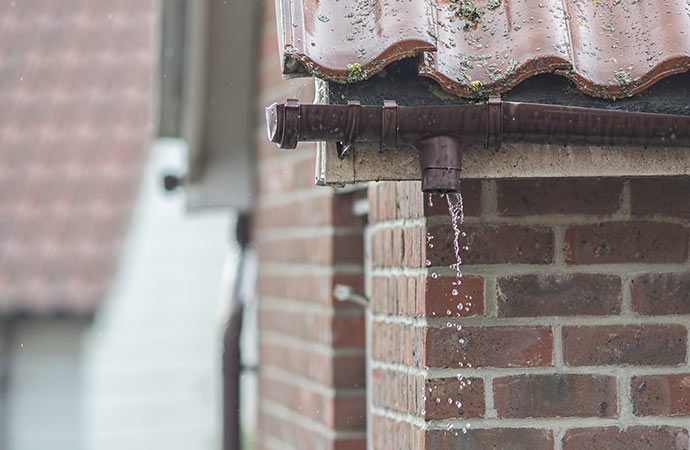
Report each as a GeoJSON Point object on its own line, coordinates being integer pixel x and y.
{"type": "Point", "coordinates": [456, 212]}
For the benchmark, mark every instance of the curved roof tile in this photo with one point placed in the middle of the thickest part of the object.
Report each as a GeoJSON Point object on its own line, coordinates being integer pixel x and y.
{"type": "Point", "coordinates": [608, 48]}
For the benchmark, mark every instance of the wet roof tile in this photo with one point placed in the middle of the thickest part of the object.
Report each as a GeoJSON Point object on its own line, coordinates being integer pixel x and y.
{"type": "Point", "coordinates": [75, 98]}
{"type": "Point", "coordinates": [608, 48]}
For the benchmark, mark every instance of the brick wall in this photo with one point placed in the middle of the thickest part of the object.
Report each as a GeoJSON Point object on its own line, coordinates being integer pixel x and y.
{"type": "Point", "coordinates": [311, 348]}
{"type": "Point", "coordinates": [577, 332]}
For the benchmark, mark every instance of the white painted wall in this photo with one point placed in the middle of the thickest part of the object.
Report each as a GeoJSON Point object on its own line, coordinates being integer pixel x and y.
{"type": "Point", "coordinates": [152, 368]}
{"type": "Point", "coordinates": [43, 408]}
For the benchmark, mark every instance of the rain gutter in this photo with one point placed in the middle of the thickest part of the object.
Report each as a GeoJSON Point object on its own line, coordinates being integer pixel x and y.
{"type": "Point", "coordinates": [441, 132]}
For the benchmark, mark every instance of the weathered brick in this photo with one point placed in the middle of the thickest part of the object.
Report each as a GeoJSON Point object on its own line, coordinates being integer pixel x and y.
{"type": "Point", "coordinates": [471, 191]}
{"type": "Point", "coordinates": [441, 395]}
{"type": "Point", "coordinates": [633, 438]}
{"type": "Point", "coordinates": [626, 242]}
{"type": "Point", "coordinates": [490, 439]}
{"type": "Point", "coordinates": [624, 345]}
{"type": "Point", "coordinates": [504, 346]}
{"type": "Point", "coordinates": [555, 395]}
{"type": "Point", "coordinates": [661, 293]}
{"type": "Point", "coordinates": [665, 195]}
{"type": "Point", "coordinates": [438, 297]}
{"type": "Point", "coordinates": [558, 295]}
{"type": "Point", "coordinates": [661, 395]}
{"type": "Point", "coordinates": [492, 244]}
{"type": "Point", "coordinates": [558, 196]}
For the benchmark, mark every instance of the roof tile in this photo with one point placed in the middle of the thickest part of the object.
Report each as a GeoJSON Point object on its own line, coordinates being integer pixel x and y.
{"type": "Point", "coordinates": [608, 48]}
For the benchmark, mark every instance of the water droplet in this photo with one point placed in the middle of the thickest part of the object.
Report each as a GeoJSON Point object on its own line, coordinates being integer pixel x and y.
{"type": "Point", "coordinates": [438, 399]}
{"type": "Point", "coordinates": [455, 292]}
{"type": "Point", "coordinates": [428, 263]}
{"type": "Point", "coordinates": [450, 426]}
{"type": "Point", "coordinates": [434, 275]}
{"type": "Point", "coordinates": [461, 340]}
{"type": "Point", "coordinates": [424, 412]}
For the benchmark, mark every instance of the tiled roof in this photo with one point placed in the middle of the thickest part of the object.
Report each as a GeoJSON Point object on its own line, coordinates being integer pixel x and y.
{"type": "Point", "coordinates": [608, 48]}
{"type": "Point", "coordinates": [75, 100]}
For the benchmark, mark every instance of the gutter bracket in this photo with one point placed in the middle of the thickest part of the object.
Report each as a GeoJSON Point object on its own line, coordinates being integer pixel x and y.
{"type": "Point", "coordinates": [291, 124]}
{"type": "Point", "coordinates": [389, 125]}
{"type": "Point", "coordinates": [494, 131]}
{"type": "Point", "coordinates": [351, 127]}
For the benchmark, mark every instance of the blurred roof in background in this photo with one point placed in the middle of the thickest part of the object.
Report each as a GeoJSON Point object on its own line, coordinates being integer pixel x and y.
{"type": "Point", "coordinates": [75, 124]}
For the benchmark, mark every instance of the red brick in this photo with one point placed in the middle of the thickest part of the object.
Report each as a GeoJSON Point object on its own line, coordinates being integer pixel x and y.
{"type": "Point", "coordinates": [555, 395]}
{"type": "Point", "coordinates": [372, 199]}
{"type": "Point", "coordinates": [306, 287]}
{"type": "Point", "coordinates": [471, 191]}
{"type": "Point", "coordinates": [302, 213]}
{"type": "Point", "coordinates": [558, 295]}
{"type": "Point", "coordinates": [490, 439]}
{"type": "Point", "coordinates": [661, 395]}
{"type": "Point", "coordinates": [438, 391]}
{"type": "Point", "coordinates": [393, 295]}
{"type": "Point", "coordinates": [397, 391]}
{"type": "Point", "coordinates": [633, 438]}
{"type": "Point", "coordinates": [397, 343]}
{"type": "Point", "coordinates": [281, 178]}
{"type": "Point", "coordinates": [626, 242]}
{"type": "Point", "coordinates": [338, 331]}
{"type": "Point", "coordinates": [337, 412]}
{"type": "Point", "coordinates": [414, 250]}
{"type": "Point", "coordinates": [348, 249]}
{"type": "Point", "coordinates": [661, 293]}
{"type": "Point", "coordinates": [661, 345]}
{"type": "Point", "coordinates": [507, 346]}
{"type": "Point", "coordinates": [285, 429]}
{"type": "Point", "coordinates": [668, 196]}
{"type": "Point", "coordinates": [317, 250]}
{"type": "Point", "coordinates": [558, 196]}
{"type": "Point", "coordinates": [335, 371]}
{"type": "Point", "coordinates": [438, 297]}
{"type": "Point", "coordinates": [492, 244]}
{"type": "Point", "coordinates": [389, 434]}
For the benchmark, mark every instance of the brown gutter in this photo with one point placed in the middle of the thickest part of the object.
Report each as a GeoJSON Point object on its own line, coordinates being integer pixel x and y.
{"type": "Point", "coordinates": [440, 132]}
